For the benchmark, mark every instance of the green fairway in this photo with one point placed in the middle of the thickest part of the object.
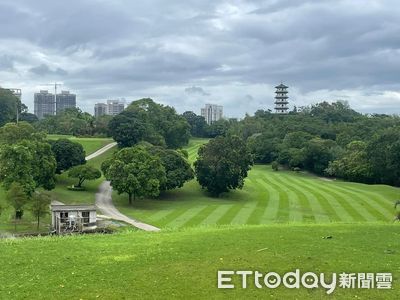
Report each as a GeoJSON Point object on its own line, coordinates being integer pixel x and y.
{"type": "Point", "coordinates": [90, 145]}
{"type": "Point", "coordinates": [184, 264]}
{"type": "Point", "coordinates": [267, 197]}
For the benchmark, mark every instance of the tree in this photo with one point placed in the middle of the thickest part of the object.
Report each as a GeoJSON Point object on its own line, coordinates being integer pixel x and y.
{"type": "Point", "coordinates": [40, 206]}
{"type": "Point", "coordinates": [136, 172]}
{"type": "Point", "coordinates": [17, 198]}
{"type": "Point", "coordinates": [177, 168]}
{"type": "Point", "coordinates": [223, 164]}
{"type": "Point", "coordinates": [354, 165]}
{"type": "Point", "coordinates": [318, 153]}
{"type": "Point", "coordinates": [26, 158]}
{"type": "Point", "coordinates": [84, 172]}
{"type": "Point", "coordinates": [198, 125]}
{"type": "Point", "coordinates": [384, 154]}
{"type": "Point", "coordinates": [8, 106]}
{"type": "Point", "coordinates": [127, 129]}
{"type": "Point", "coordinates": [12, 133]}
{"type": "Point", "coordinates": [163, 125]}
{"type": "Point", "coordinates": [68, 154]}
{"type": "Point", "coordinates": [16, 167]}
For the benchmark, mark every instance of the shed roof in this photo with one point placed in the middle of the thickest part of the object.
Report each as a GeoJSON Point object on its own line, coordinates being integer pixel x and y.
{"type": "Point", "coordinates": [78, 207]}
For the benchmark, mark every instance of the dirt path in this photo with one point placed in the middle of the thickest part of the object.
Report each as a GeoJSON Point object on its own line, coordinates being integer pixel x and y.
{"type": "Point", "coordinates": [104, 200]}
{"type": "Point", "coordinates": [107, 208]}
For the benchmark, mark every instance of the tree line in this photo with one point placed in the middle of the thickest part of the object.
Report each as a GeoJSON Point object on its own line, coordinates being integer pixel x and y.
{"type": "Point", "coordinates": [328, 139]}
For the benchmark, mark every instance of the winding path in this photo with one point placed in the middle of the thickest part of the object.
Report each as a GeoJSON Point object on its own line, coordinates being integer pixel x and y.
{"type": "Point", "coordinates": [104, 200]}
{"type": "Point", "coordinates": [105, 205]}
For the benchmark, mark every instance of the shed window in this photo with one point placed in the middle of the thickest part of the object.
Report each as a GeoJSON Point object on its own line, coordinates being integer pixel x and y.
{"type": "Point", "coordinates": [63, 217]}
{"type": "Point", "coordinates": [85, 216]}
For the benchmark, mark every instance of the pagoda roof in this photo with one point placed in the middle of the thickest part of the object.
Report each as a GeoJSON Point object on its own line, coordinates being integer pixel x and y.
{"type": "Point", "coordinates": [281, 86]}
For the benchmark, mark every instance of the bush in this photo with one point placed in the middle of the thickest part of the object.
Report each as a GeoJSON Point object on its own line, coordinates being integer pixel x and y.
{"type": "Point", "coordinates": [275, 165]}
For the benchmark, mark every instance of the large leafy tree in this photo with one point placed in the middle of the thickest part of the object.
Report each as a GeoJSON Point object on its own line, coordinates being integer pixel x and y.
{"type": "Point", "coordinates": [223, 164]}
{"type": "Point", "coordinates": [8, 106]}
{"type": "Point", "coordinates": [84, 172]}
{"type": "Point", "coordinates": [67, 154]}
{"type": "Point", "coordinates": [198, 125]}
{"type": "Point", "coordinates": [69, 121]}
{"type": "Point", "coordinates": [384, 152]}
{"type": "Point", "coordinates": [12, 133]}
{"type": "Point", "coordinates": [150, 122]}
{"type": "Point", "coordinates": [26, 158]}
{"type": "Point", "coordinates": [178, 169]}
{"type": "Point", "coordinates": [354, 165]}
{"type": "Point", "coordinates": [127, 128]}
{"type": "Point", "coordinates": [136, 172]}
{"type": "Point", "coordinates": [318, 153]}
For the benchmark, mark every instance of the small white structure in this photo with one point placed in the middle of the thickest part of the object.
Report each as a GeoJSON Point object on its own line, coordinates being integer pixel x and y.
{"type": "Point", "coordinates": [73, 218]}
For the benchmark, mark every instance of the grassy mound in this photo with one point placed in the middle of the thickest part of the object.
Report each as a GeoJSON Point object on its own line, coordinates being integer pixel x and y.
{"type": "Point", "coordinates": [183, 264]}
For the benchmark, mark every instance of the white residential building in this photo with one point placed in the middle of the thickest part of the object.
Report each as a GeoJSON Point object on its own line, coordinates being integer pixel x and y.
{"type": "Point", "coordinates": [212, 113]}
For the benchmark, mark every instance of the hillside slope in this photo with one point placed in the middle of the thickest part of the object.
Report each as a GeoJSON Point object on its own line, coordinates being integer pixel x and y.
{"type": "Point", "coordinates": [184, 264]}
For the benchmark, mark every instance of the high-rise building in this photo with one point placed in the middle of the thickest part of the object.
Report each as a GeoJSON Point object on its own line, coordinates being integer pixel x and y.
{"type": "Point", "coordinates": [212, 113]}
{"type": "Point", "coordinates": [281, 99]}
{"type": "Point", "coordinates": [44, 104]}
{"type": "Point", "coordinates": [100, 109]}
{"type": "Point", "coordinates": [112, 108]}
{"type": "Point", "coordinates": [65, 100]}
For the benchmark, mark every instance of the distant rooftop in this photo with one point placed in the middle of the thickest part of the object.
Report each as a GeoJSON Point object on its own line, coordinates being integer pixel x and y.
{"type": "Point", "coordinates": [281, 86]}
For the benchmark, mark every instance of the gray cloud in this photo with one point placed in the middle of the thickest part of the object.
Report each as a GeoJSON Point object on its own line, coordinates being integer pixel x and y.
{"type": "Point", "coordinates": [174, 50]}
{"type": "Point", "coordinates": [43, 70]}
{"type": "Point", "coordinates": [196, 90]}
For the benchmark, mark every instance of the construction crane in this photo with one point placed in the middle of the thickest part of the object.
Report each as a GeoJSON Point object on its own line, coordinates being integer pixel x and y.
{"type": "Point", "coordinates": [56, 85]}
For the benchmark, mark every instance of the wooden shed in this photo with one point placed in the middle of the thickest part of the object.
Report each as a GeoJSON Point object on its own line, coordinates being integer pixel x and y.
{"type": "Point", "coordinates": [73, 218]}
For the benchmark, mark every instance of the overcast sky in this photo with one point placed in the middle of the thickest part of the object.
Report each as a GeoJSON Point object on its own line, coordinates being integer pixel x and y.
{"type": "Point", "coordinates": [188, 53]}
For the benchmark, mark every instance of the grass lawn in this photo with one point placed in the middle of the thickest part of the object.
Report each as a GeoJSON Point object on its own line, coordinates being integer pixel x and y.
{"type": "Point", "coordinates": [183, 264]}
{"type": "Point", "coordinates": [267, 197]}
{"type": "Point", "coordinates": [90, 145]}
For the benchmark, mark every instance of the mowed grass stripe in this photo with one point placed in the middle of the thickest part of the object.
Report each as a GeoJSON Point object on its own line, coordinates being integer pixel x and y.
{"type": "Point", "coordinates": [283, 209]}
{"type": "Point", "coordinates": [185, 217]}
{"type": "Point", "coordinates": [344, 211]}
{"type": "Point", "coordinates": [318, 212]}
{"type": "Point", "coordinates": [204, 213]}
{"type": "Point", "coordinates": [336, 211]}
{"type": "Point", "coordinates": [262, 203]}
{"type": "Point", "coordinates": [271, 210]}
{"type": "Point", "coordinates": [358, 212]}
{"type": "Point", "coordinates": [172, 216]}
{"type": "Point", "coordinates": [384, 202]}
{"type": "Point", "coordinates": [230, 214]}
{"type": "Point", "coordinates": [372, 206]}
{"type": "Point", "coordinates": [242, 216]}
{"type": "Point", "coordinates": [216, 215]}
{"type": "Point", "coordinates": [307, 212]}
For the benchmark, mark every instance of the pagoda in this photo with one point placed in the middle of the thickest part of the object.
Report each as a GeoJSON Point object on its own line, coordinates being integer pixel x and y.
{"type": "Point", "coordinates": [281, 99]}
